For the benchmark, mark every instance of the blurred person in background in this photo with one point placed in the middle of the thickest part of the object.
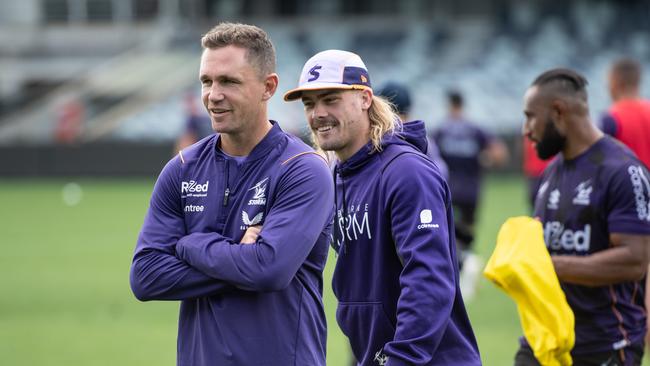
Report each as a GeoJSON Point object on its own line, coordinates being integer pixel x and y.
{"type": "Point", "coordinates": [400, 97]}
{"type": "Point", "coordinates": [197, 123]}
{"type": "Point", "coordinates": [239, 223]}
{"type": "Point", "coordinates": [628, 119]}
{"type": "Point", "coordinates": [396, 275]}
{"type": "Point", "coordinates": [533, 168]}
{"type": "Point", "coordinates": [467, 149]}
{"type": "Point", "coordinates": [593, 205]}
{"type": "Point", "coordinates": [70, 120]}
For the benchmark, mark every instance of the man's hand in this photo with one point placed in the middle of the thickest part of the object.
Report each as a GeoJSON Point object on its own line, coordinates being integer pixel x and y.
{"type": "Point", "coordinates": [251, 234]}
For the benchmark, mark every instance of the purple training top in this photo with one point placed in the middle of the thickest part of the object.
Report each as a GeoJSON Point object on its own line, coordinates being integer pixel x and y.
{"type": "Point", "coordinates": [254, 304]}
{"type": "Point", "coordinates": [580, 203]}
{"type": "Point", "coordinates": [460, 143]}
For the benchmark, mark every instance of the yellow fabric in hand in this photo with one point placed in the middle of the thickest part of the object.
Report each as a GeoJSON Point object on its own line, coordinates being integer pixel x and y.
{"type": "Point", "coordinates": [521, 266]}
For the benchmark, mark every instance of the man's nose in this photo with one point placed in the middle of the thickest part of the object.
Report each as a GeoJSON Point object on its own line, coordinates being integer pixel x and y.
{"type": "Point", "coordinates": [215, 93]}
{"type": "Point", "coordinates": [319, 111]}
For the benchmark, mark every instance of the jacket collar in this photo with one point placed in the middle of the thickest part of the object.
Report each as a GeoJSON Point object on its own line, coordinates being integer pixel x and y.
{"type": "Point", "coordinates": [272, 139]}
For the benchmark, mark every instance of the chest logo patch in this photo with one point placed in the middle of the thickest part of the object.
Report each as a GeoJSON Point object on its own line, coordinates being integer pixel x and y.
{"type": "Point", "coordinates": [259, 193]}
{"type": "Point", "coordinates": [583, 191]}
{"type": "Point", "coordinates": [554, 200]}
{"type": "Point", "coordinates": [194, 189]}
{"type": "Point", "coordinates": [251, 222]}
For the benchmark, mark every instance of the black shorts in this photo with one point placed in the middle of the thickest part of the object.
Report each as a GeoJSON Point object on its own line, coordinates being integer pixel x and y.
{"type": "Point", "coordinates": [465, 214]}
{"type": "Point", "coordinates": [464, 217]}
{"type": "Point", "coordinates": [631, 355]}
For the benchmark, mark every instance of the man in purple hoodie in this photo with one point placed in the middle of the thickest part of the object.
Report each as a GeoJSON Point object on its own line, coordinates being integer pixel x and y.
{"type": "Point", "coordinates": [396, 275]}
{"type": "Point", "coordinates": [238, 224]}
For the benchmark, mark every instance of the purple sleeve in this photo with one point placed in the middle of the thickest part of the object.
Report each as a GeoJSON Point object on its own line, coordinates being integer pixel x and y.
{"type": "Point", "coordinates": [417, 201]}
{"type": "Point", "coordinates": [629, 200]}
{"type": "Point", "coordinates": [156, 272]}
{"type": "Point", "coordinates": [608, 125]}
{"type": "Point", "coordinates": [302, 208]}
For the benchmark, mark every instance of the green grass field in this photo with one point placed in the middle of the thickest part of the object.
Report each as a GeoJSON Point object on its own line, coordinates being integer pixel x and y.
{"type": "Point", "coordinates": [64, 287]}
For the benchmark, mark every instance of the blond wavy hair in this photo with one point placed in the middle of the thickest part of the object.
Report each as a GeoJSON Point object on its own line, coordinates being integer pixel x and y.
{"type": "Point", "coordinates": [384, 120]}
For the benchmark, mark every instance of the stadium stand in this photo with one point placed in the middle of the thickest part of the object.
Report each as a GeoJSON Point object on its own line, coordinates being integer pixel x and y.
{"type": "Point", "coordinates": [131, 73]}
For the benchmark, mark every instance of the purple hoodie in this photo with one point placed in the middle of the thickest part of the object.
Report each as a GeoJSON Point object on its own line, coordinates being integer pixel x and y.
{"type": "Point", "coordinates": [253, 304]}
{"type": "Point", "coordinates": [396, 276]}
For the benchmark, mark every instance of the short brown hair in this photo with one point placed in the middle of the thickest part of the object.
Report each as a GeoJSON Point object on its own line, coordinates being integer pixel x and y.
{"type": "Point", "coordinates": [628, 72]}
{"type": "Point", "coordinates": [260, 51]}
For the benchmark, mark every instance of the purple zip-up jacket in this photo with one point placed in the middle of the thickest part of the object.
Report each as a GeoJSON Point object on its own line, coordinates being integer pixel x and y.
{"type": "Point", "coordinates": [396, 275]}
{"type": "Point", "coordinates": [242, 304]}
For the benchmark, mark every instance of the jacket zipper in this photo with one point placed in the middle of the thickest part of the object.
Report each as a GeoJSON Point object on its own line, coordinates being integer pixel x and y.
{"type": "Point", "coordinates": [226, 194]}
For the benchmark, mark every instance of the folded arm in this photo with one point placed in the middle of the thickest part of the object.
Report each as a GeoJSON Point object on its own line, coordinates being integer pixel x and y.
{"type": "Point", "coordinates": [156, 272]}
{"type": "Point", "coordinates": [299, 213]}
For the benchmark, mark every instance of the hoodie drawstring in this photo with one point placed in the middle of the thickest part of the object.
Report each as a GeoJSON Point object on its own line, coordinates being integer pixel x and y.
{"type": "Point", "coordinates": [337, 229]}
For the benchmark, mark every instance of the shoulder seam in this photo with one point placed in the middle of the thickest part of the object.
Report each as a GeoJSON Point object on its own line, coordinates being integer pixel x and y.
{"type": "Point", "coordinates": [304, 153]}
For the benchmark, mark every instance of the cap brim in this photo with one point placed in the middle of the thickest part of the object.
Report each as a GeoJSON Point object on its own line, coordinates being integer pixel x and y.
{"type": "Point", "coordinates": [296, 93]}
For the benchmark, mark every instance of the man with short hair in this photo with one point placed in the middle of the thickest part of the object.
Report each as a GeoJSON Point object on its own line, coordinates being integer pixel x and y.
{"type": "Point", "coordinates": [400, 97]}
{"type": "Point", "coordinates": [628, 119]}
{"type": "Point", "coordinates": [396, 275]}
{"type": "Point", "coordinates": [238, 223]}
{"type": "Point", "coordinates": [593, 205]}
{"type": "Point", "coordinates": [467, 149]}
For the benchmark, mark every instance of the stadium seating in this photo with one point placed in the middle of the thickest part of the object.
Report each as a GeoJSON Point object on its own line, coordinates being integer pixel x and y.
{"type": "Point", "coordinates": [491, 59]}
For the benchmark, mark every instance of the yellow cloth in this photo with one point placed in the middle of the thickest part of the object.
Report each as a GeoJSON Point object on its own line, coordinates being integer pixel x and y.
{"type": "Point", "coordinates": [521, 266]}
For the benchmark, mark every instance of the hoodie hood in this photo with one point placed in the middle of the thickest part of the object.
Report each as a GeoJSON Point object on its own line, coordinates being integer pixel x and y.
{"type": "Point", "coordinates": [412, 134]}
{"type": "Point", "coordinates": [415, 133]}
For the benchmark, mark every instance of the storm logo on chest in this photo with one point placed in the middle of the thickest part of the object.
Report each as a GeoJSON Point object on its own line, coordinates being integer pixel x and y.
{"type": "Point", "coordinates": [259, 193]}
{"type": "Point", "coordinates": [583, 191]}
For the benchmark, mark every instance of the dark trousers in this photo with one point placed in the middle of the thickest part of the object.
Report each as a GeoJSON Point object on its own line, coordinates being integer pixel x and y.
{"type": "Point", "coordinates": [464, 218]}
{"type": "Point", "coordinates": [629, 356]}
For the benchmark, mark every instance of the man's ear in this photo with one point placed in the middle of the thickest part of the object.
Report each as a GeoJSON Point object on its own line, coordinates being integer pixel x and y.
{"type": "Point", "coordinates": [559, 114]}
{"type": "Point", "coordinates": [270, 86]}
{"type": "Point", "coordinates": [366, 99]}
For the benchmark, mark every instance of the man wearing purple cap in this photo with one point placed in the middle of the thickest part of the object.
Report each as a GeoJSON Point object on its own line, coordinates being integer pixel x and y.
{"type": "Point", "coordinates": [238, 224]}
{"type": "Point", "coordinates": [396, 275]}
